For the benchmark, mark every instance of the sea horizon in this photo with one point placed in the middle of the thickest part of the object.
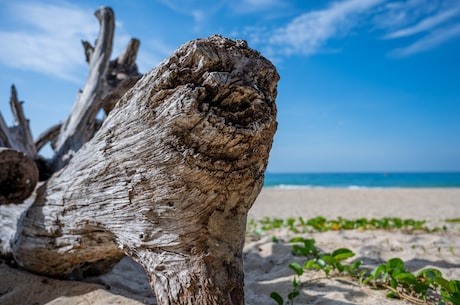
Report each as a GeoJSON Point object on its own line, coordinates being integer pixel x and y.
{"type": "Point", "coordinates": [362, 180]}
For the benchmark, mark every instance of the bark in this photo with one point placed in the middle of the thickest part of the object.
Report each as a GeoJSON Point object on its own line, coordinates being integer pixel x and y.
{"type": "Point", "coordinates": [168, 179]}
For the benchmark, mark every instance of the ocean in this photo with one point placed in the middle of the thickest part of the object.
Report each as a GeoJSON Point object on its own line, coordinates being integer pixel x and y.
{"type": "Point", "coordinates": [362, 180]}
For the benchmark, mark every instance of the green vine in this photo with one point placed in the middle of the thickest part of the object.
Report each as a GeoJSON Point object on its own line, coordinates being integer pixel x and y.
{"type": "Point", "coordinates": [427, 286]}
{"type": "Point", "coordinates": [321, 224]}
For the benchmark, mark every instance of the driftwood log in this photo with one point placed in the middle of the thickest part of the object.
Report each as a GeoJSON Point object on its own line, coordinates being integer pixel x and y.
{"type": "Point", "coordinates": [167, 180]}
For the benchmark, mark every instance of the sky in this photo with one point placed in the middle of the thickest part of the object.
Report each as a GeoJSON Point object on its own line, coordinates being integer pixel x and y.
{"type": "Point", "coordinates": [366, 85]}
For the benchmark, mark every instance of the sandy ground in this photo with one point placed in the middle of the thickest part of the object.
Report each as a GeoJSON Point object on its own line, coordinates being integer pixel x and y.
{"type": "Point", "coordinates": [266, 261]}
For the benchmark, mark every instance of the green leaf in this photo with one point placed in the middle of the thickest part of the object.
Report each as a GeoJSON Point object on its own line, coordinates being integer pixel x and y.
{"type": "Point", "coordinates": [275, 296]}
{"type": "Point", "coordinates": [366, 280]}
{"type": "Point", "coordinates": [394, 263]}
{"type": "Point", "coordinates": [378, 270]}
{"type": "Point", "coordinates": [297, 240]}
{"type": "Point", "coordinates": [342, 253]}
{"type": "Point", "coordinates": [443, 283]}
{"type": "Point", "coordinates": [454, 298]}
{"type": "Point", "coordinates": [321, 263]}
{"type": "Point", "coordinates": [296, 267]}
{"type": "Point", "coordinates": [393, 283]}
{"type": "Point", "coordinates": [328, 259]}
{"type": "Point", "coordinates": [406, 277]}
{"type": "Point", "coordinates": [327, 269]}
{"type": "Point", "coordinates": [361, 276]}
{"type": "Point", "coordinates": [453, 220]}
{"type": "Point", "coordinates": [339, 267]}
{"type": "Point", "coordinates": [311, 264]}
{"type": "Point", "coordinates": [398, 223]}
{"type": "Point", "coordinates": [299, 250]}
{"type": "Point", "coordinates": [429, 273]}
{"type": "Point", "coordinates": [295, 282]}
{"type": "Point", "coordinates": [397, 271]}
{"type": "Point", "coordinates": [293, 294]}
{"type": "Point", "coordinates": [356, 265]}
{"type": "Point", "coordinates": [277, 223]}
{"type": "Point", "coordinates": [421, 288]}
{"type": "Point", "coordinates": [308, 247]}
{"type": "Point", "coordinates": [454, 285]}
{"type": "Point", "coordinates": [309, 243]}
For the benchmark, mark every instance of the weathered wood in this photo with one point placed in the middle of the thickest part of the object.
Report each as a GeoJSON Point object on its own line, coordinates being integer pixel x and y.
{"type": "Point", "coordinates": [107, 82]}
{"type": "Point", "coordinates": [122, 75]}
{"type": "Point", "coordinates": [89, 50]}
{"type": "Point", "coordinates": [19, 136]}
{"type": "Point", "coordinates": [81, 124]}
{"type": "Point", "coordinates": [123, 70]}
{"type": "Point", "coordinates": [9, 215]}
{"type": "Point", "coordinates": [18, 176]}
{"type": "Point", "coordinates": [168, 179]}
{"type": "Point", "coordinates": [25, 141]}
{"type": "Point", "coordinates": [18, 172]}
{"type": "Point", "coordinates": [48, 136]}
{"type": "Point", "coordinates": [4, 133]}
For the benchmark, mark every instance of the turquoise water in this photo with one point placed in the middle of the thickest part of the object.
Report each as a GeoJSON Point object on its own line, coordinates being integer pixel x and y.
{"type": "Point", "coordinates": [363, 180]}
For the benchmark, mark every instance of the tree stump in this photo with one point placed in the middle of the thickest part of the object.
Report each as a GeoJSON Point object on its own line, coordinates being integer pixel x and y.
{"type": "Point", "coordinates": [167, 180]}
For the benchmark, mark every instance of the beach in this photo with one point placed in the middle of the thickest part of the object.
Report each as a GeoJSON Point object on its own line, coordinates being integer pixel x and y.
{"type": "Point", "coordinates": [266, 260]}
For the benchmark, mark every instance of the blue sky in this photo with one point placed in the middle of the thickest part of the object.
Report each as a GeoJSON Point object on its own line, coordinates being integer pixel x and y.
{"type": "Point", "coordinates": [366, 85]}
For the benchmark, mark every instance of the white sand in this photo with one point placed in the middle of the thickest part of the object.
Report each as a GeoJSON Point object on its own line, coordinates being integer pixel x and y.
{"type": "Point", "coordinates": [266, 262]}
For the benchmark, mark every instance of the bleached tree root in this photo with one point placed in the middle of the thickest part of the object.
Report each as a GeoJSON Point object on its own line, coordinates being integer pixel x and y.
{"type": "Point", "coordinates": [168, 179]}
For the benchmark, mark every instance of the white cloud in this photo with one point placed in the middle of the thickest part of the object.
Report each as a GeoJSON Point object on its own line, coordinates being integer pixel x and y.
{"type": "Point", "coordinates": [49, 41]}
{"type": "Point", "coordinates": [252, 6]}
{"type": "Point", "coordinates": [309, 32]}
{"type": "Point", "coordinates": [199, 10]}
{"type": "Point", "coordinates": [429, 41]}
{"type": "Point", "coordinates": [260, 3]}
{"type": "Point", "coordinates": [203, 11]}
{"type": "Point", "coordinates": [429, 23]}
{"type": "Point", "coordinates": [426, 24]}
{"type": "Point", "coordinates": [396, 15]}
